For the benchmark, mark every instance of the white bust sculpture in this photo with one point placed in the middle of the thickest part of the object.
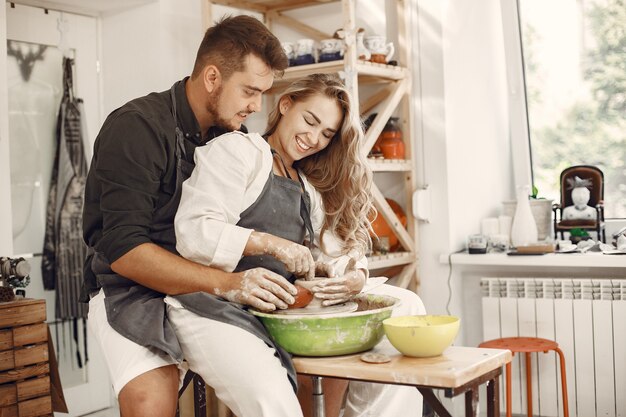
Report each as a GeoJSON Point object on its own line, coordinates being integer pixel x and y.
{"type": "Point", "coordinates": [580, 197]}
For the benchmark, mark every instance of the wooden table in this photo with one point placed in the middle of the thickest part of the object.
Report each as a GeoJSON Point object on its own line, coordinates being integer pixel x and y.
{"type": "Point", "coordinates": [459, 370]}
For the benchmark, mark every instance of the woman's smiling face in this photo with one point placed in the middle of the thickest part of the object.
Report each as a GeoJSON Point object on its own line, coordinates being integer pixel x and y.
{"type": "Point", "coordinates": [306, 127]}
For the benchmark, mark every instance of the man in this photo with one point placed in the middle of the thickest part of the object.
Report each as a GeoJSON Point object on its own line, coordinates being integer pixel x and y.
{"type": "Point", "coordinates": [142, 155]}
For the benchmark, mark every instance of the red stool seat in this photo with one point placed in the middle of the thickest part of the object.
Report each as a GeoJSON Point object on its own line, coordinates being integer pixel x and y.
{"type": "Point", "coordinates": [528, 345]}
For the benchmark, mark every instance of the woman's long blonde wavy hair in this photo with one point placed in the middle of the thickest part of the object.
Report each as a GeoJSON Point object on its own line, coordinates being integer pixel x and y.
{"type": "Point", "coordinates": [340, 171]}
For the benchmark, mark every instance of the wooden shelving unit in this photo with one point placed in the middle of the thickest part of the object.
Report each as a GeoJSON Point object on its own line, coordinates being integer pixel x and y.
{"type": "Point", "coordinates": [392, 97]}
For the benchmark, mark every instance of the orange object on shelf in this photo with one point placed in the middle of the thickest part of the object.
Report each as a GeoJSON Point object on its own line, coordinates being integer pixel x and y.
{"type": "Point", "coordinates": [382, 228]}
{"type": "Point", "coordinates": [390, 140]}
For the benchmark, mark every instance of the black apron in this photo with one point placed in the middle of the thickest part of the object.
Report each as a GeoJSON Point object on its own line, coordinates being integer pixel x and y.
{"type": "Point", "coordinates": [282, 209]}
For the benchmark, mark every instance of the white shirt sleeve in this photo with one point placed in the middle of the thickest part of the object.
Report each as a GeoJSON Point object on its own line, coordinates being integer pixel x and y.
{"type": "Point", "coordinates": [230, 174]}
{"type": "Point", "coordinates": [332, 244]}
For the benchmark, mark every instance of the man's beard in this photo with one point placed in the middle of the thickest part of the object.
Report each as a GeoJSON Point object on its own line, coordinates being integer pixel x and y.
{"type": "Point", "coordinates": [212, 109]}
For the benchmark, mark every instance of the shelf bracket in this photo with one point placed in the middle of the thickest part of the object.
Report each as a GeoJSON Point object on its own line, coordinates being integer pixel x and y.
{"type": "Point", "coordinates": [391, 218]}
{"type": "Point", "coordinates": [388, 107]}
{"type": "Point", "coordinates": [297, 25]}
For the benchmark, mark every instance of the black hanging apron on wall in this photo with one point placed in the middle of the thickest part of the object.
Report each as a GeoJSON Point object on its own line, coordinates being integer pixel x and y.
{"type": "Point", "coordinates": [64, 249]}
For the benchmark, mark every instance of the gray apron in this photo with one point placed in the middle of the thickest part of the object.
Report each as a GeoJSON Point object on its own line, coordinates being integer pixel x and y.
{"type": "Point", "coordinates": [148, 325]}
{"type": "Point", "coordinates": [282, 209]}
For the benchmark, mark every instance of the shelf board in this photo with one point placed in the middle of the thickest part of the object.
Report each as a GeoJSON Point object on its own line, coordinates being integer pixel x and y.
{"type": "Point", "coordinates": [390, 259]}
{"type": "Point", "coordinates": [369, 72]}
{"type": "Point", "coordinates": [264, 6]}
{"type": "Point", "coordinates": [550, 260]}
{"type": "Point", "coordinates": [390, 165]}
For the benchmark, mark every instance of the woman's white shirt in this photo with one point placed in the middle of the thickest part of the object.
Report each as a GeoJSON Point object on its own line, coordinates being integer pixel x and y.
{"type": "Point", "coordinates": [230, 174]}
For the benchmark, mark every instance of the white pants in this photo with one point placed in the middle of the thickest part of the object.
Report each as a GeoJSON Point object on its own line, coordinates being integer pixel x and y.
{"type": "Point", "coordinates": [124, 358]}
{"type": "Point", "coordinates": [244, 372]}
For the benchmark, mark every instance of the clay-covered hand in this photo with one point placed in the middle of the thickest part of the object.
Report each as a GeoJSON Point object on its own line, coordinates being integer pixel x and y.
{"type": "Point", "coordinates": [340, 289]}
{"type": "Point", "coordinates": [296, 258]}
{"type": "Point", "coordinates": [323, 269]}
{"type": "Point", "coordinates": [259, 288]}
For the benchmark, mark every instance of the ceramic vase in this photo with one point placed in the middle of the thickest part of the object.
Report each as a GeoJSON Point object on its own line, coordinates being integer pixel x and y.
{"type": "Point", "coordinates": [524, 228]}
{"type": "Point", "coordinates": [390, 140]}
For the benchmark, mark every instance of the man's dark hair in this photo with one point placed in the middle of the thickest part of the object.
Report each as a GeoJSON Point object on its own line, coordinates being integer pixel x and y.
{"type": "Point", "coordinates": [230, 40]}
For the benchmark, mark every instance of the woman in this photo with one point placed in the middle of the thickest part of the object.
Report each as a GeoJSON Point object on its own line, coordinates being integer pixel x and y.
{"type": "Point", "coordinates": [257, 201]}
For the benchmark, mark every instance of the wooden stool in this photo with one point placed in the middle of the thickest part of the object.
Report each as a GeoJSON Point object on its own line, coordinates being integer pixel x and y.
{"type": "Point", "coordinates": [528, 345]}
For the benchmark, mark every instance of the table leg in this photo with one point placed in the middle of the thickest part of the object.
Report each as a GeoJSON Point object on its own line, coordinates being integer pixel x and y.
{"type": "Point", "coordinates": [319, 408]}
{"type": "Point", "coordinates": [471, 403]}
{"type": "Point", "coordinates": [493, 397]}
{"type": "Point", "coordinates": [434, 402]}
{"type": "Point", "coordinates": [508, 390]}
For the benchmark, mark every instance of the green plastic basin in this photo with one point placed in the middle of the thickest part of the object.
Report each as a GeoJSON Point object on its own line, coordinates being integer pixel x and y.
{"type": "Point", "coordinates": [331, 334]}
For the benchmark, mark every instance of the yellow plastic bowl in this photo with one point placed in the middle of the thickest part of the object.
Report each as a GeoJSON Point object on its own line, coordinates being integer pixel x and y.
{"type": "Point", "coordinates": [421, 336]}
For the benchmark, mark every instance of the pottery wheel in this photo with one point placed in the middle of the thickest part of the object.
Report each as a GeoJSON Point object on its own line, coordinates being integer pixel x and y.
{"type": "Point", "coordinates": [339, 308]}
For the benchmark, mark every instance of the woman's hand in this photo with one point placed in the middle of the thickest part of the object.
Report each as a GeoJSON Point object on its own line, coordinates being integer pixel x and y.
{"type": "Point", "coordinates": [296, 258]}
{"type": "Point", "coordinates": [259, 288]}
{"type": "Point", "coordinates": [340, 289]}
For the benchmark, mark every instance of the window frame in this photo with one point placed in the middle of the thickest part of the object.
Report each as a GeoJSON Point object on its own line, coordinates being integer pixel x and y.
{"type": "Point", "coordinates": [519, 130]}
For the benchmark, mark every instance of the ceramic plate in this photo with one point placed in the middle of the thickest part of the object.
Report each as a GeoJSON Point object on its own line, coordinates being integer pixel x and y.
{"type": "Point", "coordinates": [373, 282]}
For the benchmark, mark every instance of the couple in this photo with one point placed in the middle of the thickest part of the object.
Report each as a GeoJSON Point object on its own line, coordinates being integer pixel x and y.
{"type": "Point", "coordinates": [247, 213]}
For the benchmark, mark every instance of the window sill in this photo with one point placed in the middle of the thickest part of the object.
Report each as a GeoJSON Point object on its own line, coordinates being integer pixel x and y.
{"type": "Point", "coordinates": [550, 260]}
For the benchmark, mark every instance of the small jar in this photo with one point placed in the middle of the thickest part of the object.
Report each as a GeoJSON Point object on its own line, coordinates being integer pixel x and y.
{"type": "Point", "coordinates": [390, 140]}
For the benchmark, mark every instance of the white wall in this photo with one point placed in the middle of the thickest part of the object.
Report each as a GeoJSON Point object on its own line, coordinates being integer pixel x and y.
{"type": "Point", "coordinates": [466, 141]}
{"type": "Point", "coordinates": [6, 241]}
{"type": "Point", "coordinates": [148, 48]}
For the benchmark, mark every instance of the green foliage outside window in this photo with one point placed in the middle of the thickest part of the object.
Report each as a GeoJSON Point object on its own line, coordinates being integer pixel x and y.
{"type": "Point", "coordinates": [591, 128]}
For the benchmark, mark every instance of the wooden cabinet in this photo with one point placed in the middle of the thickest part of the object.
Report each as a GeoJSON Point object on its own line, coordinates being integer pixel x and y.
{"type": "Point", "coordinates": [24, 367]}
{"type": "Point", "coordinates": [392, 86]}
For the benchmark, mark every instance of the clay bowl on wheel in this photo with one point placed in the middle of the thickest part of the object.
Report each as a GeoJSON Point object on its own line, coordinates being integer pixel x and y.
{"type": "Point", "coordinates": [331, 334]}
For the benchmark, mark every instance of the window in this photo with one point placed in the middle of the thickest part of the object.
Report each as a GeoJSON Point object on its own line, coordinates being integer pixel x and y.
{"type": "Point", "coordinates": [574, 54]}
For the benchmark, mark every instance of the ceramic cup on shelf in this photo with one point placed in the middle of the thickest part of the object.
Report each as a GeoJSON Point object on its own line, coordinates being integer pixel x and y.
{"type": "Point", "coordinates": [477, 243]}
{"type": "Point", "coordinates": [381, 50]}
{"type": "Point", "coordinates": [304, 52]}
{"type": "Point", "coordinates": [331, 50]}
{"type": "Point", "coordinates": [290, 51]}
{"type": "Point", "coordinates": [361, 50]}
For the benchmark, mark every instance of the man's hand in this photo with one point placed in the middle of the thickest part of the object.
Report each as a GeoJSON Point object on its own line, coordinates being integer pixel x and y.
{"type": "Point", "coordinates": [259, 288]}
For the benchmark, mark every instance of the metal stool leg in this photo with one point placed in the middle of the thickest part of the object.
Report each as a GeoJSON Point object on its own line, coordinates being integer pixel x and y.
{"type": "Point", "coordinates": [319, 408]}
{"type": "Point", "coordinates": [563, 382]}
{"type": "Point", "coordinates": [529, 386]}
{"type": "Point", "coordinates": [508, 390]}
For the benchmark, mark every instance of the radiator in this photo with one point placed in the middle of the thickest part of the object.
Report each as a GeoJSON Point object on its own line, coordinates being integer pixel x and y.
{"type": "Point", "coordinates": [586, 317]}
